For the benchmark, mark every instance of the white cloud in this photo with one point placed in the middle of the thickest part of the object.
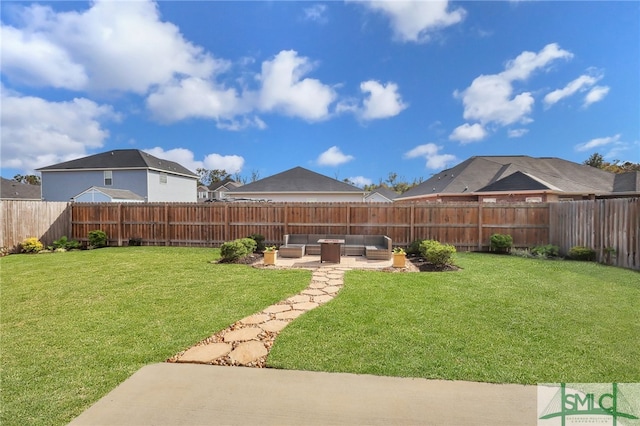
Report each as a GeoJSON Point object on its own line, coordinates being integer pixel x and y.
{"type": "Point", "coordinates": [230, 163]}
{"type": "Point", "coordinates": [491, 99]}
{"type": "Point", "coordinates": [284, 90]}
{"type": "Point", "coordinates": [579, 84]}
{"type": "Point", "coordinates": [516, 133]}
{"type": "Point", "coordinates": [316, 13]}
{"type": "Point", "coordinates": [430, 152]}
{"type": "Point", "coordinates": [466, 133]}
{"type": "Point", "coordinates": [382, 101]}
{"type": "Point", "coordinates": [415, 21]}
{"type": "Point", "coordinates": [595, 95]}
{"type": "Point", "coordinates": [333, 157]}
{"type": "Point", "coordinates": [38, 133]}
{"type": "Point", "coordinates": [98, 46]}
{"type": "Point", "coordinates": [597, 143]}
{"type": "Point", "coordinates": [360, 181]}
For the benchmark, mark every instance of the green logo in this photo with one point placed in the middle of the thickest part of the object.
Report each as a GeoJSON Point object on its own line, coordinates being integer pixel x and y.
{"type": "Point", "coordinates": [592, 401]}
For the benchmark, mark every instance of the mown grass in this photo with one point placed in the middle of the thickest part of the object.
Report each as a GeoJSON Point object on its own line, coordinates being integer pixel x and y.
{"type": "Point", "coordinates": [76, 324]}
{"type": "Point", "coordinates": [501, 319]}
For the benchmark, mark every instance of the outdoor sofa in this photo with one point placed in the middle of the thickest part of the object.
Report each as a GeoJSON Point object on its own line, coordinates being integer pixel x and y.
{"type": "Point", "coordinates": [371, 246]}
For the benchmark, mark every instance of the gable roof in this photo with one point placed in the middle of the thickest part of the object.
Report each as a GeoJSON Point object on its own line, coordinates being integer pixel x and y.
{"type": "Point", "coordinates": [114, 194]}
{"type": "Point", "coordinates": [121, 159]}
{"type": "Point", "coordinates": [385, 192]}
{"type": "Point", "coordinates": [226, 184]}
{"type": "Point", "coordinates": [13, 190]}
{"type": "Point", "coordinates": [297, 179]}
{"type": "Point", "coordinates": [520, 172]}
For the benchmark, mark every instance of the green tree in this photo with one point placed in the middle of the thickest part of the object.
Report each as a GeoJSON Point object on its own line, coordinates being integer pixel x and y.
{"type": "Point", "coordinates": [595, 160]}
{"type": "Point", "coordinates": [207, 177]}
{"type": "Point", "coordinates": [617, 166]}
{"type": "Point", "coordinates": [30, 179]}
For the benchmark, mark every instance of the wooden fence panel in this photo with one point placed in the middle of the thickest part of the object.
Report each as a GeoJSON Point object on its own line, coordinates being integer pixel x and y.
{"type": "Point", "coordinates": [48, 221]}
{"type": "Point", "coordinates": [610, 227]}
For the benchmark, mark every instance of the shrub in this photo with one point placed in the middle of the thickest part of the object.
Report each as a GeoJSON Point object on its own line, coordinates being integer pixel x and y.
{"type": "Point", "coordinates": [32, 245]}
{"type": "Point", "coordinates": [97, 238]}
{"type": "Point", "coordinates": [414, 248]}
{"type": "Point", "coordinates": [249, 243]}
{"type": "Point", "coordinates": [436, 253]}
{"type": "Point", "coordinates": [65, 244]}
{"type": "Point", "coordinates": [259, 239]}
{"type": "Point", "coordinates": [501, 243]}
{"type": "Point", "coordinates": [135, 241]}
{"type": "Point", "coordinates": [546, 251]}
{"type": "Point", "coordinates": [233, 250]}
{"type": "Point", "coordinates": [581, 253]}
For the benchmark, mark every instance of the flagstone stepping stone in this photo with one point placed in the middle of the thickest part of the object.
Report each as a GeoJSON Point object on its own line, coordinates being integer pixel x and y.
{"type": "Point", "coordinates": [274, 309]}
{"type": "Point", "coordinates": [206, 353]}
{"type": "Point", "coordinates": [332, 289]}
{"type": "Point", "coordinates": [322, 299]}
{"type": "Point", "coordinates": [335, 282]}
{"type": "Point", "coordinates": [306, 306]}
{"type": "Point", "coordinates": [289, 315]}
{"type": "Point", "coordinates": [299, 299]}
{"type": "Point", "coordinates": [320, 279]}
{"type": "Point", "coordinates": [313, 292]}
{"type": "Point", "coordinates": [247, 352]}
{"type": "Point", "coordinates": [317, 284]}
{"type": "Point", "coordinates": [248, 333]}
{"type": "Point", "coordinates": [255, 319]}
{"type": "Point", "coordinates": [274, 326]}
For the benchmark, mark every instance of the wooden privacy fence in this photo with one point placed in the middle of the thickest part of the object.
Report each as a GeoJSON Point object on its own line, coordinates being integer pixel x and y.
{"type": "Point", "coordinates": [24, 219]}
{"type": "Point", "coordinates": [468, 226]}
{"type": "Point", "coordinates": [611, 227]}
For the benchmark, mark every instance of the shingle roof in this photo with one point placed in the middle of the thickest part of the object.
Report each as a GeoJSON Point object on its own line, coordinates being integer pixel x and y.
{"type": "Point", "coordinates": [297, 179]}
{"type": "Point", "coordinates": [483, 174]}
{"type": "Point", "coordinates": [121, 159]}
{"type": "Point", "coordinates": [115, 194]}
{"type": "Point", "coordinates": [12, 190]}
{"type": "Point", "coordinates": [385, 192]}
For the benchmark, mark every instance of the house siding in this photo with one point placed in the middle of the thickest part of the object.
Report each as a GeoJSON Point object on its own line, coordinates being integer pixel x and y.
{"type": "Point", "coordinates": [63, 185]}
{"type": "Point", "coordinates": [176, 189]}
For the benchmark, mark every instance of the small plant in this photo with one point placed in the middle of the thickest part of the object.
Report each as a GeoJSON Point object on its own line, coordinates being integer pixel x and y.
{"type": "Point", "coordinates": [609, 254]}
{"type": "Point", "coordinates": [233, 250]}
{"type": "Point", "coordinates": [32, 245]}
{"type": "Point", "coordinates": [547, 251]}
{"type": "Point", "coordinates": [436, 253]}
{"type": "Point", "coordinates": [501, 243]}
{"type": "Point", "coordinates": [414, 248]}
{"type": "Point", "coordinates": [399, 250]}
{"type": "Point", "coordinates": [581, 253]}
{"type": "Point", "coordinates": [97, 239]}
{"type": "Point", "coordinates": [521, 253]}
{"type": "Point", "coordinates": [63, 243]}
{"type": "Point", "coordinates": [259, 239]}
{"type": "Point", "coordinates": [270, 248]}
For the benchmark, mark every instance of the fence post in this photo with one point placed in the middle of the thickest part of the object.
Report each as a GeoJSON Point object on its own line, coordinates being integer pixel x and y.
{"type": "Point", "coordinates": [119, 224]}
{"type": "Point", "coordinates": [480, 225]}
{"type": "Point", "coordinates": [167, 241]}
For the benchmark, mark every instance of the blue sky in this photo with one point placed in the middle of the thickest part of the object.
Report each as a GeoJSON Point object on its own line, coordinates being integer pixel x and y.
{"type": "Point", "coordinates": [350, 89]}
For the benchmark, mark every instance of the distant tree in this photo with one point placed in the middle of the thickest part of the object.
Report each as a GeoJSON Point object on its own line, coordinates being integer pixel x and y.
{"type": "Point", "coordinates": [30, 179]}
{"type": "Point", "coordinates": [596, 160]}
{"type": "Point", "coordinates": [255, 175]}
{"type": "Point", "coordinates": [207, 177]}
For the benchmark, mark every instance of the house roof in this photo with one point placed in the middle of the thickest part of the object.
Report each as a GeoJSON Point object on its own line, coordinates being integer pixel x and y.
{"type": "Point", "coordinates": [13, 190]}
{"type": "Point", "coordinates": [297, 179]}
{"type": "Point", "coordinates": [385, 192]}
{"type": "Point", "coordinates": [121, 159]}
{"type": "Point", "coordinates": [114, 194]}
{"type": "Point", "coordinates": [519, 173]}
{"type": "Point", "coordinates": [227, 184]}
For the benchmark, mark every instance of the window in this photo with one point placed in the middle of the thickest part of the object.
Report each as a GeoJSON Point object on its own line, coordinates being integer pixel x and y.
{"type": "Point", "coordinates": [108, 178]}
{"type": "Point", "coordinates": [163, 178]}
{"type": "Point", "coordinates": [533, 199]}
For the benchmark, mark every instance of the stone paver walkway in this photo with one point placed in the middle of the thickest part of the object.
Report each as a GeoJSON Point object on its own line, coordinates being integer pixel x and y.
{"type": "Point", "coordinates": [248, 341]}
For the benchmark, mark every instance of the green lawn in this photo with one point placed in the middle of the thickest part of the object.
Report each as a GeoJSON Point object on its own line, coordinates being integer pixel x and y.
{"type": "Point", "coordinates": [75, 325]}
{"type": "Point", "coordinates": [500, 319]}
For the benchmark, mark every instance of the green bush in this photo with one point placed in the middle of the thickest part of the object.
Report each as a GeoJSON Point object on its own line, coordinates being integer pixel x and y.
{"type": "Point", "coordinates": [581, 253]}
{"type": "Point", "coordinates": [65, 244]}
{"type": "Point", "coordinates": [546, 251]}
{"type": "Point", "coordinates": [259, 239]}
{"type": "Point", "coordinates": [97, 238]}
{"type": "Point", "coordinates": [414, 248]}
{"type": "Point", "coordinates": [32, 245]}
{"type": "Point", "coordinates": [501, 243]}
{"type": "Point", "coordinates": [135, 241]}
{"type": "Point", "coordinates": [233, 250]}
{"type": "Point", "coordinates": [436, 253]}
{"type": "Point", "coordinates": [249, 243]}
